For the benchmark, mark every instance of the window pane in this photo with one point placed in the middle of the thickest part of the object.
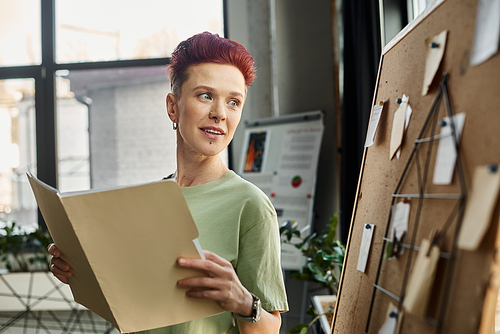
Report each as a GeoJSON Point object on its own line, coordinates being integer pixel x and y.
{"type": "Point", "coordinates": [20, 32]}
{"type": "Point", "coordinates": [17, 151]}
{"type": "Point", "coordinates": [113, 128]}
{"type": "Point", "coordinates": [96, 30]}
{"type": "Point", "coordinates": [73, 163]}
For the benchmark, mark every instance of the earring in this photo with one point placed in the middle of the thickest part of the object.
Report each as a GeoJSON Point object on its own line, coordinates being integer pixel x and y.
{"type": "Point", "coordinates": [174, 125]}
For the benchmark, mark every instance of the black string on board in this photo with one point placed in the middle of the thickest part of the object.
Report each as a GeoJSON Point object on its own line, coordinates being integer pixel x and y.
{"type": "Point", "coordinates": [456, 214]}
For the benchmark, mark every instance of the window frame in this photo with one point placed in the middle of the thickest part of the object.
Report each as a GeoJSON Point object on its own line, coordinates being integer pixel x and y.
{"type": "Point", "coordinates": [44, 75]}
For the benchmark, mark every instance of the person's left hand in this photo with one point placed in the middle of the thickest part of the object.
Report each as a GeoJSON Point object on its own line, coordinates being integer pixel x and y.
{"type": "Point", "coordinates": [223, 285]}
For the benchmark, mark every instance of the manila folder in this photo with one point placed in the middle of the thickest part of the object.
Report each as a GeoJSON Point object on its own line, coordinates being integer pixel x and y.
{"type": "Point", "coordinates": [122, 246]}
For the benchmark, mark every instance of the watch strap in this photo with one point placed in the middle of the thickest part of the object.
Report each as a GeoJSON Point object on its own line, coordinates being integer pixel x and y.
{"type": "Point", "coordinates": [256, 311]}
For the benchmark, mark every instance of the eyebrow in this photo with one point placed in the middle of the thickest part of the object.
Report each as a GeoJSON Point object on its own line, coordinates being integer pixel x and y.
{"type": "Point", "coordinates": [212, 89]}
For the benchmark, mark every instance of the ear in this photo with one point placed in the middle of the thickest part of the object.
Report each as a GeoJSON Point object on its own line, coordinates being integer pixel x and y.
{"type": "Point", "coordinates": [171, 107]}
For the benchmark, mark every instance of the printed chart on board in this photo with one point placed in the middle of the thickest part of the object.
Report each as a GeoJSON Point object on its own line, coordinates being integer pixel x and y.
{"type": "Point", "coordinates": [280, 156]}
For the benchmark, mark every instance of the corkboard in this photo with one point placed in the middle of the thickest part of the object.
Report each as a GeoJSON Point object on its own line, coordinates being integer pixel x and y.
{"type": "Point", "coordinates": [474, 90]}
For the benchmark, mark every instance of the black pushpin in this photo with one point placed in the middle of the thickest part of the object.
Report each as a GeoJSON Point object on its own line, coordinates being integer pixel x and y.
{"type": "Point", "coordinates": [434, 45]}
{"type": "Point", "coordinates": [493, 168]}
{"type": "Point", "coordinates": [399, 101]}
{"type": "Point", "coordinates": [442, 123]}
{"type": "Point", "coordinates": [393, 314]}
{"type": "Point", "coordinates": [367, 226]}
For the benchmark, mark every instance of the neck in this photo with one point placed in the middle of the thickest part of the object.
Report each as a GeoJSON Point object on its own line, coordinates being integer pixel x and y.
{"type": "Point", "coordinates": [199, 170]}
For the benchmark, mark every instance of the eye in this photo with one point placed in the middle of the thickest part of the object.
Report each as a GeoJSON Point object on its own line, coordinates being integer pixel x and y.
{"type": "Point", "coordinates": [205, 96]}
{"type": "Point", "coordinates": [234, 103]}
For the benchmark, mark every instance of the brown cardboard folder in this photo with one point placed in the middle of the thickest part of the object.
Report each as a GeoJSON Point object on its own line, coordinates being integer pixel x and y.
{"type": "Point", "coordinates": [122, 246]}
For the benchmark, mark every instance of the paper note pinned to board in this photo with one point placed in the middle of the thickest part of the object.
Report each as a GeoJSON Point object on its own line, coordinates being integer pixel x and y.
{"type": "Point", "coordinates": [480, 206]}
{"type": "Point", "coordinates": [421, 280]}
{"type": "Point", "coordinates": [364, 250]}
{"type": "Point", "coordinates": [398, 127]}
{"type": "Point", "coordinates": [391, 321]}
{"type": "Point", "coordinates": [409, 111]}
{"type": "Point", "coordinates": [400, 217]}
{"type": "Point", "coordinates": [487, 34]}
{"type": "Point", "coordinates": [376, 114]}
{"type": "Point", "coordinates": [435, 52]}
{"type": "Point", "coordinates": [447, 152]}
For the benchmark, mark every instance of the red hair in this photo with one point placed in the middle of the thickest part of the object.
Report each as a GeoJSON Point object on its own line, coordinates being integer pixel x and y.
{"type": "Point", "coordinates": [206, 47]}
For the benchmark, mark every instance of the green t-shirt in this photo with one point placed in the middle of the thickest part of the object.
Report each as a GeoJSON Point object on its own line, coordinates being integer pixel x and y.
{"type": "Point", "coordinates": [236, 221]}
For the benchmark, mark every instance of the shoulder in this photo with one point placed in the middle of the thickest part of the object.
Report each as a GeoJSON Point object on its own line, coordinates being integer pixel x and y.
{"type": "Point", "coordinates": [255, 205]}
{"type": "Point", "coordinates": [250, 192]}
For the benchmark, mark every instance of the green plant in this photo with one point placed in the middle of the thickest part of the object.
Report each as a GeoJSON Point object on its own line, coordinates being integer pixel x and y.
{"type": "Point", "coordinates": [23, 250]}
{"type": "Point", "coordinates": [325, 257]}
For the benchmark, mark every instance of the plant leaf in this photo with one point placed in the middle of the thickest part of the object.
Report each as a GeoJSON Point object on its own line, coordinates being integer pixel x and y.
{"type": "Point", "coordinates": [297, 329]}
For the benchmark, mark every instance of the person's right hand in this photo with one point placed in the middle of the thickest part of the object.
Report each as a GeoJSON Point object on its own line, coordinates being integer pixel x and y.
{"type": "Point", "coordinates": [58, 267]}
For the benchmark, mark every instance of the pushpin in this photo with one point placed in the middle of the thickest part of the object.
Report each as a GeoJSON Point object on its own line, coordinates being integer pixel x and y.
{"type": "Point", "coordinates": [434, 45]}
{"type": "Point", "coordinates": [367, 226]}
{"type": "Point", "coordinates": [381, 103]}
{"type": "Point", "coordinates": [393, 314]}
{"type": "Point", "coordinates": [399, 101]}
{"type": "Point", "coordinates": [442, 123]}
{"type": "Point", "coordinates": [493, 168]}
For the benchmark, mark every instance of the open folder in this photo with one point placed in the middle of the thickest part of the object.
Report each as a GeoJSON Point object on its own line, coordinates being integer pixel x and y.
{"type": "Point", "coordinates": [122, 246]}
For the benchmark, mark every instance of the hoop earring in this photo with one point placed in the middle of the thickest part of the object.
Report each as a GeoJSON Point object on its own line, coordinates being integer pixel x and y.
{"type": "Point", "coordinates": [174, 126]}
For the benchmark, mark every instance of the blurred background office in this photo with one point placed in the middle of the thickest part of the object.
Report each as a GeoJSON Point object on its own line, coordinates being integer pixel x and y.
{"type": "Point", "coordinates": [82, 90]}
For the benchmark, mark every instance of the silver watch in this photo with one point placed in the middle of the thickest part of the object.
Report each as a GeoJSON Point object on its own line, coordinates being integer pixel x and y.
{"type": "Point", "coordinates": [256, 311]}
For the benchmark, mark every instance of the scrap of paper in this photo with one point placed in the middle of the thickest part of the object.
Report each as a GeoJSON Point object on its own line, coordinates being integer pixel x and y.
{"type": "Point", "coordinates": [447, 152]}
{"type": "Point", "coordinates": [399, 221]}
{"type": "Point", "coordinates": [409, 111]}
{"type": "Point", "coordinates": [487, 325]}
{"type": "Point", "coordinates": [487, 34]}
{"type": "Point", "coordinates": [490, 300]}
{"type": "Point", "coordinates": [376, 113]}
{"type": "Point", "coordinates": [421, 280]}
{"type": "Point", "coordinates": [364, 250]}
{"type": "Point", "coordinates": [398, 127]}
{"type": "Point", "coordinates": [480, 206]}
{"type": "Point", "coordinates": [391, 321]}
{"type": "Point", "coordinates": [435, 51]}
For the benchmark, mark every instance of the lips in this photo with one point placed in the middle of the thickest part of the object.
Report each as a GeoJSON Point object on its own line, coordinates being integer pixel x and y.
{"type": "Point", "coordinates": [212, 132]}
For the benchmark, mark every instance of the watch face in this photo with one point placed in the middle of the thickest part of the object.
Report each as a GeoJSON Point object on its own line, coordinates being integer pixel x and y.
{"type": "Point", "coordinates": [257, 309]}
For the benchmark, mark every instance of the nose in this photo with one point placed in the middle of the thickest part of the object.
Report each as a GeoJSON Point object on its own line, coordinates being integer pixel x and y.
{"type": "Point", "coordinates": [218, 112]}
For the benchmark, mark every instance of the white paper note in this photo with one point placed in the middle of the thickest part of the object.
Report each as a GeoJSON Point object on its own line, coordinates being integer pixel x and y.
{"type": "Point", "coordinates": [409, 111]}
{"type": "Point", "coordinates": [389, 326]}
{"type": "Point", "coordinates": [487, 34]}
{"type": "Point", "coordinates": [400, 216]}
{"type": "Point", "coordinates": [364, 250]}
{"type": "Point", "coordinates": [376, 113]}
{"type": "Point", "coordinates": [447, 153]}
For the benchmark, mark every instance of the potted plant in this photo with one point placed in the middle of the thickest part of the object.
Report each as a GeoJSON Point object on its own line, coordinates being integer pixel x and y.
{"type": "Point", "coordinates": [24, 250]}
{"type": "Point", "coordinates": [325, 256]}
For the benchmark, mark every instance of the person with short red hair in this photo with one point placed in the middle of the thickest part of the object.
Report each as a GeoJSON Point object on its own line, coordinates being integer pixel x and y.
{"type": "Point", "coordinates": [238, 227]}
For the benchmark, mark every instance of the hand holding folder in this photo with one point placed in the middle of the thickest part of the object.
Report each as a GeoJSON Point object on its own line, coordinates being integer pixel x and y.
{"type": "Point", "coordinates": [122, 246]}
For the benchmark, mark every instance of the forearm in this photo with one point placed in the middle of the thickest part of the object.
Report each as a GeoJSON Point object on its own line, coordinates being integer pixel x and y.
{"type": "Point", "coordinates": [270, 322]}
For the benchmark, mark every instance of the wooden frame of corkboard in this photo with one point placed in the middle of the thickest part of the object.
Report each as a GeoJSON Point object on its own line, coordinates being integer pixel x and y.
{"type": "Point", "coordinates": [462, 278]}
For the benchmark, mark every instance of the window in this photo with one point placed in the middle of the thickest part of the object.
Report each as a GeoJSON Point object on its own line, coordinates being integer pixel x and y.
{"type": "Point", "coordinates": [17, 149]}
{"type": "Point", "coordinates": [82, 93]}
{"type": "Point", "coordinates": [20, 32]}
{"type": "Point", "coordinates": [94, 30]}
